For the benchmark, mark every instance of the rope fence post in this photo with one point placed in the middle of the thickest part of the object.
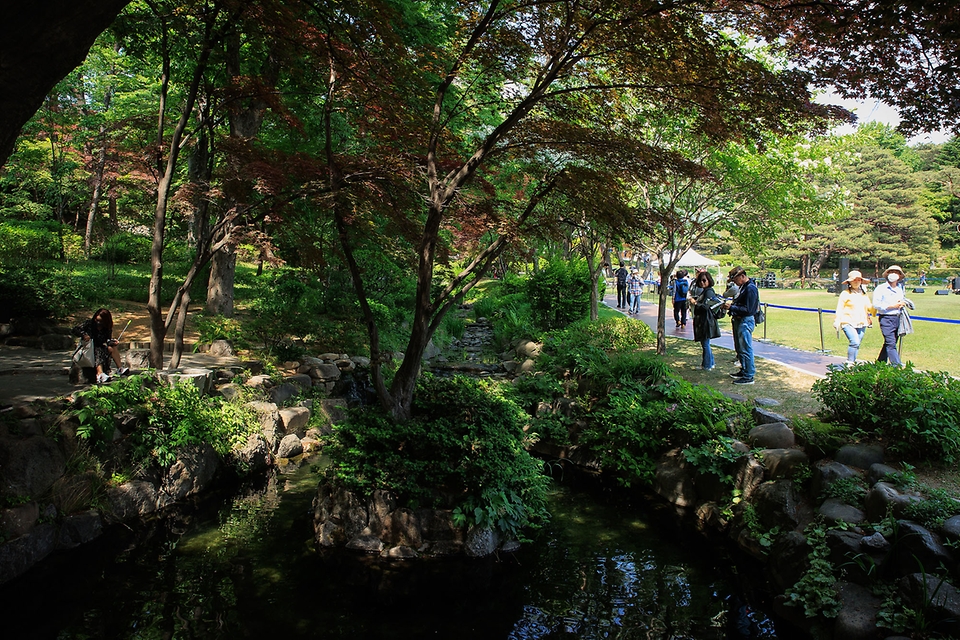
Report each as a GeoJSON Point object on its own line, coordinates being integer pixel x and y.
{"type": "Point", "coordinates": [820, 322]}
{"type": "Point", "coordinates": [765, 310]}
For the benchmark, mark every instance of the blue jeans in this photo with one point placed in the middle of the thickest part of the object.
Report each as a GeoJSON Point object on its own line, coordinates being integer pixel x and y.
{"type": "Point", "coordinates": [889, 326]}
{"type": "Point", "coordinates": [855, 337]}
{"type": "Point", "coordinates": [707, 362]}
{"type": "Point", "coordinates": [744, 337]}
{"type": "Point", "coordinates": [635, 303]}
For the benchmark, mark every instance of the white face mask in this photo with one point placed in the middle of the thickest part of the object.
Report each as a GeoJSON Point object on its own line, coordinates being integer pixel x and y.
{"type": "Point", "coordinates": [892, 278]}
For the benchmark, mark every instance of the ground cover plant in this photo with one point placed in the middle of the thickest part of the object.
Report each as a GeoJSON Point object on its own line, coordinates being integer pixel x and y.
{"type": "Point", "coordinates": [463, 449]}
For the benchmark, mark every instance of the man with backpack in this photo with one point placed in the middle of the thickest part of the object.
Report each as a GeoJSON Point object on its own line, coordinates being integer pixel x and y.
{"type": "Point", "coordinates": [621, 274]}
{"type": "Point", "coordinates": [680, 290]}
{"type": "Point", "coordinates": [743, 310]}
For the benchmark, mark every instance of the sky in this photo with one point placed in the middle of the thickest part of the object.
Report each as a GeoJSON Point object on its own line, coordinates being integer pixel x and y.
{"type": "Point", "coordinates": [875, 111]}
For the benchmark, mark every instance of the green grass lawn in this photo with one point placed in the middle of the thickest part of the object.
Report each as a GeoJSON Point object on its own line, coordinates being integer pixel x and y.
{"type": "Point", "coordinates": [933, 346]}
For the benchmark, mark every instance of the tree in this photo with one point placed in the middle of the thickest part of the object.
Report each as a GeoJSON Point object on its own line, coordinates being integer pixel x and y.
{"type": "Point", "coordinates": [512, 80]}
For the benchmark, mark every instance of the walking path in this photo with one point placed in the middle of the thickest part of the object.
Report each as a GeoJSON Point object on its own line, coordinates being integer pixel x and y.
{"type": "Point", "coordinates": [805, 361]}
{"type": "Point", "coordinates": [29, 374]}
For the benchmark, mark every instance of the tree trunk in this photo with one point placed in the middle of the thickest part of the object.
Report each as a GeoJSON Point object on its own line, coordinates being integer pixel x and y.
{"type": "Point", "coordinates": [97, 190]}
{"type": "Point", "coordinates": [223, 269]}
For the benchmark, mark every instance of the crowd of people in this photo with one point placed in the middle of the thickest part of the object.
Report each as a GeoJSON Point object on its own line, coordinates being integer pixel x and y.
{"type": "Point", "coordinates": [697, 296]}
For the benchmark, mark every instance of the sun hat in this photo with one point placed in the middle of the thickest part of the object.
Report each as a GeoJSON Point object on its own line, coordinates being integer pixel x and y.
{"type": "Point", "coordinates": [853, 276]}
{"type": "Point", "coordinates": [894, 267]}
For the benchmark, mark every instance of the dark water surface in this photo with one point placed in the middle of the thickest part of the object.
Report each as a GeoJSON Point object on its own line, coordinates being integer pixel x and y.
{"type": "Point", "coordinates": [244, 566]}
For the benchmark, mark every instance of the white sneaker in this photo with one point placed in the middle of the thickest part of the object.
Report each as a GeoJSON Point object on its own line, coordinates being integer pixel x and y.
{"type": "Point", "coordinates": [102, 378]}
{"type": "Point", "coordinates": [123, 371]}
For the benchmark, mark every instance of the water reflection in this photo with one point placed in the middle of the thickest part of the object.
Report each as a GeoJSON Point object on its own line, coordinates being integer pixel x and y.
{"type": "Point", "coordinates": [249, 568]}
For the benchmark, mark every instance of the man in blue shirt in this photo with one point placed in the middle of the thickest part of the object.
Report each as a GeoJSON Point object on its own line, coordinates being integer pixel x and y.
{"type": "Point", "coordinates": [743, 309]}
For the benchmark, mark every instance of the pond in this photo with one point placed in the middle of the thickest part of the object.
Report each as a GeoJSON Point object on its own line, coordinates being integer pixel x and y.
{"type": "Point", "coordinates": [244, 565]}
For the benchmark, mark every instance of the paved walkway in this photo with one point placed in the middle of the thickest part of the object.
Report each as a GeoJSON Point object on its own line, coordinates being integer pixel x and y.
{"type": "Point", "coordinates": [806, 361]}
{"type": "Point", "coordinates": [29, 374]}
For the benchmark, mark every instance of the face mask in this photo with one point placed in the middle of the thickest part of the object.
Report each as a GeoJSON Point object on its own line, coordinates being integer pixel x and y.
{"type": "Point", "coordinates": [892, 278]}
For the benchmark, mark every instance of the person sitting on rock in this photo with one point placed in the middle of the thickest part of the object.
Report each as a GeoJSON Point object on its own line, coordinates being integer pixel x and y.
{"type": "Point", "coordinates": [99, 328]}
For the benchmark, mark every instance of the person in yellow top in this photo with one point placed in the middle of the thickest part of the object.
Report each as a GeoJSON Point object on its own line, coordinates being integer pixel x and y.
{"type": "Point", "coordinates": [854, 312]}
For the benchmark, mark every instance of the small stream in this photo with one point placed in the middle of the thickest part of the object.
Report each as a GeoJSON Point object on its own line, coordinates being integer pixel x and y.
{"type": "Point", "coordinates": [242, 565]}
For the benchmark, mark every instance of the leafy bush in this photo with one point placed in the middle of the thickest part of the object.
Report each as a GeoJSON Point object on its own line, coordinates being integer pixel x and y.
{"type": "Point", "coordinates": [826, 436]}
{"type": "Point", "coordinates": [916, 413]}
{"type": "Point", "coordinates": [216, 327]}
{"type": "Point", "coordinates": [716, 456]}
{"type": "Point", "coordinates": [28, 241]}
{"type": "Point", "coordinates": [174, 417]}
{"type": "Point", "coordinates": [462, 449]}
{"type": "Point", "coordinates": [559, 293]}
{"type": "Point", "coordinates": [126, 248]}
{"type": "Point", "coordinates": [583, 348]}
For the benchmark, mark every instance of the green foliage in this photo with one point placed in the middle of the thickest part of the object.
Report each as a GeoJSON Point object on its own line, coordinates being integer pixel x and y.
{"type": "Point", "coordinates": [816, 590]}
{"type": "Point", "coordinates": [462, 449]}
{"type": "Point", "coordinates": [128, 248]}
{"type": "Point", "coordinates": [851, 491]}
{"type": "Point", "coordinates": [583, 348]}
{"type": "Point", "coordinates": [559, 293]}
{"type": "Point", "coordinates": [26, 241]}
{"type": "Point", "coordinates": [916, 413]}
{"type": "Point", "coordinates": [764, 537]}
{"type": "Point", "coordinates": [938, 505]}
{"type": "Point", "coordinates": [716, 456]}
{"type": "Point", "coordinates": [173, 417]}
{"type": "Point", "coordinates": [216, 327]}
{"type": "Point", "coordinates": [826, 436]}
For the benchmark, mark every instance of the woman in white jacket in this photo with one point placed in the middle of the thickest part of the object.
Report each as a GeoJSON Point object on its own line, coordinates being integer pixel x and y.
{"type": "Point", "coordinates": [854, 313]}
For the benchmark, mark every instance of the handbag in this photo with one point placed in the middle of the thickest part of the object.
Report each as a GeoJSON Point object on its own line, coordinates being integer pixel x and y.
{"type": "Point", "coordinates": [83, 356]}
{"type": "Point", "coordinates": [760, 317]}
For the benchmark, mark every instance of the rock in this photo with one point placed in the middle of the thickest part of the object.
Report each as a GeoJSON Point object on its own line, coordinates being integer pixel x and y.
{"type": "Point", "coordinates": [939, 599]}
{"type": "Point", "coordinates": [255, 454]}
{"type": "Point", "coordinates": [762, 416]}
{"type": "Point", "coordinates": [879, 472]}
{"type": "Point", "coordinates": [951, 528]}
{"type": "Point", "coordinates": [747, 476]}
{"type": "Point", "coordinates": [437, 525]}
{"type": "Point", "coordinates": [29, 467]}
{"type": "Point", "coordinates": [345, 365]}
{"type": "Point", "coordinates": [826, 473]}
{"type": "Point", "coordinates": [784, 463]}
{"type": "Point", "coordinates": [191, 473]}
{"type": "Point", "coordinates": [290, 446]}
{"type": "Point", "coordinates": [779, 504]}
{"type": "Point", "coordinates": [510, 546]}
{"type": "Point", "coordinates": [19, 554]}
{"type": "Point", "coordinates": [529, 349]}
{"type": "Point", "coordinates": [399, 553]}
{"type": "Point", "coordinates": [857, 619]}
{"type": "Point", "coordinates": [773, 435]}
{"type": "Point", "coordinates": [431, 351]}
{"type": "Point", "coordinates": [834, 511]}
{"type": "Point", "coordinates": [332, 411]}
{"type": "Point", "coordinates": [130, 500]}
{"type": "Point", "coordinates": [766, 402]}
{"type": "Point", "coordinates": [528, 366]}
{"type": "Point", "coordinates": [789, 559]}
{"type": "Point", "coordinates": [481, 542]}
{"type": "Point", "coordinates": [735, 397]}
{"type": "Point", "coordinates": [401, 527]}
{"type": "Point", "coordinates": [295, 419]}
{"type": "Point", "coordinates": [919, 549]}
{"type": "Point", "coordinates": [221, 348]}
{"type": "Point", "coordinates": [340, 507]}
{"type": "Point", "coordinates": [329, 357]}
{"type": "Point", "coordinates": [883, 496]}
{"type": "Point", "coordinates": [365, 543]}
{"type": "Point", "coordinates": [56, 342]}
{"type": "Point", "coordinates": [861, 456]}
{"type": "Point", "coordinates": [201, 378]}
{"type": "Point", "coordinates": [136, 359]}
{"type": "Point", "coordinates": [280, 394]}
{"type": "Point", "coordinates": [361, 361]}
{"type": "Point", "coordinates": [327, 372]}
{"type": "Point", "coordinates": [875, 542]}
{"type": "Point", "coordinates": [259, 382]}
{"type": "Point", "coordinates": [674, 479]}
{"type": "Point", "coordinates": [16, 521]}
{"type": "Point", "coordinates": [79, 528]}
{"type": "Point", "coordinates": [269, 421]}
{"type": "Point", "coordinates": [229, 391]}
{"type": "Point", "coordinates": [510, 366]}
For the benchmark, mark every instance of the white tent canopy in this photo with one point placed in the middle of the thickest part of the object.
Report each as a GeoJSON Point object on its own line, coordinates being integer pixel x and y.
{"type": "Point", "coordinates": [690, 259]}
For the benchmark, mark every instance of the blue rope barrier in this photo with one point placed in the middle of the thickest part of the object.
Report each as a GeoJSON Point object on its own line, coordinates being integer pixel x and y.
{"type": "Point", "coordinates": [912, 317]}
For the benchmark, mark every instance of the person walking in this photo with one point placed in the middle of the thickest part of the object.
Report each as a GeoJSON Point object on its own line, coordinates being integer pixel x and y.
{"type": "Point", "coordinates": [705, 326]}
{"type": "Point", "coordinates": [854, 313]}
{"type": "Point", "coordinates": [923, 278]}
{"type": "Point", "coordinates": [621, 275]}
{"type": "Point", "coordinates": [634, 289]}
{"type": "Point", "coordinates": [680, 289]}
{"type": "Point", "coordinates": [888, 300]}
{"type": "Point", "coordinates": [99, 328]}
{"type": "Point", "coordinates": [744, 308]}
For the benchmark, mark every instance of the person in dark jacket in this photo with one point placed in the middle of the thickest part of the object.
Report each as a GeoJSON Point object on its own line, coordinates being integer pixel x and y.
{"type": "Point", "coordinates": [99, 328]}
{"type": "Point", "coordinates": [621, 275]}
{"type": "Point", "coordinates": [744, 309]}
{"type": "Point", "coordinates": [705, 325]}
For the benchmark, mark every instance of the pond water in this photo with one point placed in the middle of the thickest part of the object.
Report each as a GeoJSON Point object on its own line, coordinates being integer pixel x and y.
{"type": "Point", "coordinates": [244, 566]}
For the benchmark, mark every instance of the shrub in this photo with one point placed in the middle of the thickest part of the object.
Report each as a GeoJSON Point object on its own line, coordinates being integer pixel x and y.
{"type": "Point", "coordinates": [126, 248]}
{"type": "Point", "coordinates": [462, 449]}
{"type": "Point", "coordinates": [917, 414]}
{"type": "Point", "coordinates": [583, 347]}
{"type": "Point", "coordinates": [29, 241]}
{"type": "Point", "coordinates": [559, 293]}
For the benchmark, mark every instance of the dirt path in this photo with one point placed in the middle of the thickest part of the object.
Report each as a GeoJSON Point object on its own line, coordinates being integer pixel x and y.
{"type": "Point", "coordinates": [135, 313]}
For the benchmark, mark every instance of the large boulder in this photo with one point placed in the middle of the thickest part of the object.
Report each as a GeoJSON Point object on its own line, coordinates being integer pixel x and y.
{"type": "Point", "coordinates": [270, 421]}
{"type": "Point", "coordinates": [130, 500]}
{"type": "Point", "coordinates": [857, 619]}
{"type": "Point", "coordinates": [191, 473]}
{"type": "Point", "coordinates": [290, 446]}
{"type": "Point", "coordinates": [203, 379]}
{"type": "Point", "coordinates": [294, 420]}
{"type": "Point", "coordinates": [29, 467]}
{"type": "Point", "coordinates": [255, 454]}
{"type": "Point", "coordinates": [19, 554]}
{"type": "Point", "coordinates": [674, 479]}
{"type": "Point", "coordinates": [774, 435]}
